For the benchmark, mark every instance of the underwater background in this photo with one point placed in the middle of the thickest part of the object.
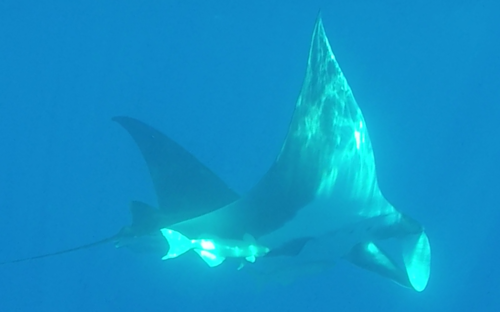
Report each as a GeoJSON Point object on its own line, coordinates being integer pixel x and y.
{"type": "Point", "coordinates": [222, 78]}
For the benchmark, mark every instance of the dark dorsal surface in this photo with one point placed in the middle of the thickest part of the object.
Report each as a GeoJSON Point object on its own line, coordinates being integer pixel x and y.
{"type": "Point", "coordinates": [185, 188]}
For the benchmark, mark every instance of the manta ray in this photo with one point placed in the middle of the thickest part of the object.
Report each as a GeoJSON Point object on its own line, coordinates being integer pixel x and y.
{"type": "Point", "coordinates": [317, 204]}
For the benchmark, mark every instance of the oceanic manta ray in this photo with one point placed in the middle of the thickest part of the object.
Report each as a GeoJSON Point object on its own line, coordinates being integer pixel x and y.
{"type": "Point", "coordinates": [320, 199]}
{"type": "Point", "coordinates": [318, 203]}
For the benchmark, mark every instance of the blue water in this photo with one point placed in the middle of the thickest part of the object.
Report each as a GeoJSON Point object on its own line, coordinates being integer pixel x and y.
{"type": "Point", "coordinates": [221, 78]}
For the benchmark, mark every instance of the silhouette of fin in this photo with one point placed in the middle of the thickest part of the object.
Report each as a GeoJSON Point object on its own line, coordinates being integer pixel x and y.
{"type": "Point", "coordinates": [184, 186]}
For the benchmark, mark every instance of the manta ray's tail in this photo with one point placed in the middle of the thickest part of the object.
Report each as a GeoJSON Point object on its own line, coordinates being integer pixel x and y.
{"type": "Point", "coordinates": [65, 251]}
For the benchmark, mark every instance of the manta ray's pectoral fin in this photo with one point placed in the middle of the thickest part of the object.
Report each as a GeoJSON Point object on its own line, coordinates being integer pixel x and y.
{"type": "Point", "coordinates": [184, 186]}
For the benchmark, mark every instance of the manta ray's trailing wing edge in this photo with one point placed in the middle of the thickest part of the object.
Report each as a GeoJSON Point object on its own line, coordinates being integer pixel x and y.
{"type": "Point", "coordinates": [185, 188]}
